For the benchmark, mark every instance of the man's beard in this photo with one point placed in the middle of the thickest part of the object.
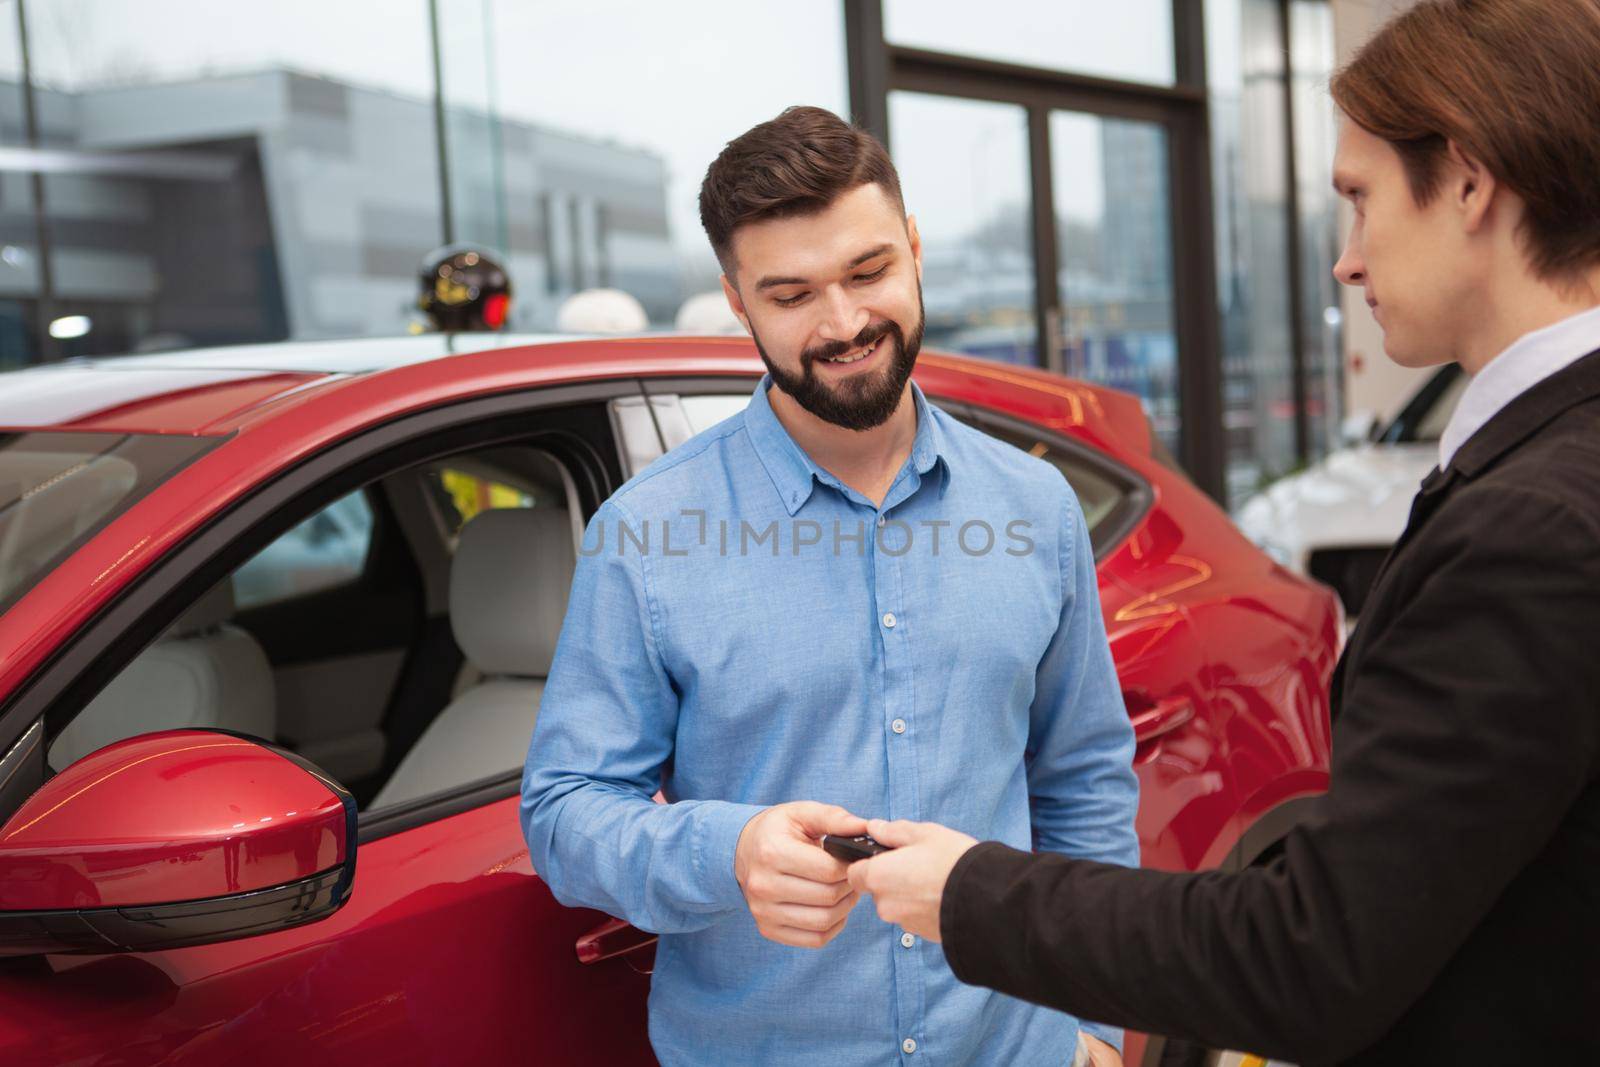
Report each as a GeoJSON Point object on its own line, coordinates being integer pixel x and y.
{"type": "Point", "coordinates": [856, 401]}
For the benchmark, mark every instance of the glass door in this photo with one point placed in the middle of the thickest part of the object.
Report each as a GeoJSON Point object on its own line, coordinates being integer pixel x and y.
{"type": "Point", "coordinates": [1047, 239]}
{"type": "Point", "coordinates": [1113, 237]}
{"type": "Point", "coordinates": [964, 172]}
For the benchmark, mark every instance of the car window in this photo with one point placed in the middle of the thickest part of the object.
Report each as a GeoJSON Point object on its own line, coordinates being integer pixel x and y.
{"type": "Point", "coordinates": [465, 488]}
{"type": "Point", "coordinates": [338, 710]}
{"type": "Point", "coordinates": [325, 551]}
{"type": "Point", "coordinates": [1426, 414]}
{"type": "Point", "coordinates": [704, 412]}
{"type": "Point", "coordinates": [470, 495]}
{"type": "Point", "coordinates": [1431, 426]}
{"type": "Point", "coordinates": [1097, 494]}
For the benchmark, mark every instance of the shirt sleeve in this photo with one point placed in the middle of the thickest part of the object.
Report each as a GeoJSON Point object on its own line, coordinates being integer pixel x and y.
{"type": "Point", "coordinates": [605, 728]}
{"type": "Point", "coordinates": [1083, 794]}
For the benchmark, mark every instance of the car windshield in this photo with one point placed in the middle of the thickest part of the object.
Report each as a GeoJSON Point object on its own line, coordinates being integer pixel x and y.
{"type": "Point", "coordinates": [1424, 418]}
{"type": "Point", "coordinates": [58, 489]}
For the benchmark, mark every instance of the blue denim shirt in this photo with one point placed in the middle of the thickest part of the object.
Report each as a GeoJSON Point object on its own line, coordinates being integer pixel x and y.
{"type": "Point", "coordinates": [744, 629]}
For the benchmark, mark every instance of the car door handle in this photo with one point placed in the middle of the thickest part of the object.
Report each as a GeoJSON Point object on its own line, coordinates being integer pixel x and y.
{"type": "Point", "coordinates": [1164, 717]}
{"type": "Point", "coordinates": [610, 939]}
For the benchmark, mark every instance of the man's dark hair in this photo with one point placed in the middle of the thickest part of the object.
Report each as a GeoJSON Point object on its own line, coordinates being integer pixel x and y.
{"type": "Point", "coordinates": [795, 164]}
{"type": "Point", "coordinates": [1514, 83]}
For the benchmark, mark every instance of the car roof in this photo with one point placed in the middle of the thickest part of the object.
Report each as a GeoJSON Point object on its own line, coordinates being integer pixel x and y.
{"type": "Point", "coordinates": [215, 390]}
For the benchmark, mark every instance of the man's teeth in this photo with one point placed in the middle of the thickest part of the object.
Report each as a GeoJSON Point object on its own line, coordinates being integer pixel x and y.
{"type": "Point", "coordinates": [865, 352]}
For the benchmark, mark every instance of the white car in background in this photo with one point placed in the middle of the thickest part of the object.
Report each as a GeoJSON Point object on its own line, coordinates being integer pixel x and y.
{"type": "Point", "coordinates": [1337, 520]}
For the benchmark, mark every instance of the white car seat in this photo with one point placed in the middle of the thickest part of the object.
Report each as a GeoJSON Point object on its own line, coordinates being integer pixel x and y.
{"type": "Point", "coordinates": [509, 582]}
{"type": "Point", "coordinates": [202, 671]}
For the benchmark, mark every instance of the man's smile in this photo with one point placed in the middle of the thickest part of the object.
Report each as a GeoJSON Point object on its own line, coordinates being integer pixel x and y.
{"type": "Point", "coordinates": [856, 355]}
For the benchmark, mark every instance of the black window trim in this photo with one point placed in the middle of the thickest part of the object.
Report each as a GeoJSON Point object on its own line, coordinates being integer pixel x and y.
{"type": "Point", "coordinates": [1136, 502]}
{"type": "Point", "coordinates": [104, 644]}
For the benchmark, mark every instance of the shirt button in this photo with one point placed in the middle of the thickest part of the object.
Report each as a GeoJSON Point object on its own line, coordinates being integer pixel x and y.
{"type": "Point", "coordinates": [888, 619]}
{"type": "Point", "coordinates": [909, 1045]}
{"type": "Point", "coordinates": [907, 940]}
{"type": "Point", "coordinates": [882, 519]}
{"type": "Point", "coordinates": [898, 726]}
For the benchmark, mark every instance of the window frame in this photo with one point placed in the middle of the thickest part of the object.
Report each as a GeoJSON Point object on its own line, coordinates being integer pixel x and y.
{"type": "Point", "coordinates": [1138, 497]}
{"type": "Point", "coordinates": [94, 655]}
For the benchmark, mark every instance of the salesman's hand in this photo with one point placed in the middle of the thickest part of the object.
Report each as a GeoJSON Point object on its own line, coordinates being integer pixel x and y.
{"type": "Point", "coordinates": [908, 883]}
{"type": "Point", "coordinates": [797, 893]}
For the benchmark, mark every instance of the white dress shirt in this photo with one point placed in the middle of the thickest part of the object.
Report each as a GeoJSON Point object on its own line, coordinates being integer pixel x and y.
{"type": "Point", "coordinates": [1531, 359]}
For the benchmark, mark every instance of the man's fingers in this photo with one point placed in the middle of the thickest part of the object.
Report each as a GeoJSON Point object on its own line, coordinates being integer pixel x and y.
{"type": "Point", "coordinates": [896, 834]}
{"type": "Point", "coordinates": [799, 938]}
{"type": "Point", "coordinates": [803, 917]}
{"type": "Point", "coordinates": [818, 819]}
{"type": "Point", "coordinates": [856, 874]}
{"type": "Point", "coordinates": [802, 859]}
{"type": "Point", "coordinates": [787, 889]}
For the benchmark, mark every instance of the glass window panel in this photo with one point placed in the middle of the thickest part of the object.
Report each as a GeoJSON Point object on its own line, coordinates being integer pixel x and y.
{"type": "Point", "coordinates": [57, 490]}
{"type": "Point", "coordinates": [704, 412]}
{"type": "Point", "coordinates": [473, 127]}
{"type": "Point", "coordinates": [964, 172]}
{"type": "Point", "coordinates": [609, 113]}
{"type": "Point", "coordinates": [244, 171]}
{"type": "Point", "coordinates": [1245, 64]}
{"type": "Point", "coordinates": [325, 551]}
{"type": "Point", "coordinates": [18, 243]}
{"type": "Point", "coordinates": [1113, 236]}
{"type": "Point", "coordinates": [1131, 41]}
{"type": "Point", "coordinates": [1315, 134]}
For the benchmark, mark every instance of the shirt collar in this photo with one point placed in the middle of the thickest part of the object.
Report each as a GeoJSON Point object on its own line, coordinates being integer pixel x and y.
{"type": "Point", "coordinates": [793, 472]}
{"type": "Point", "coordinates": [1531, 359]}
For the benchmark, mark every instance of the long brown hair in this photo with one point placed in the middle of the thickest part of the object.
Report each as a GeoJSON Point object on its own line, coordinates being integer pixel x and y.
{"type": "Point", "coordinates": [1516, 85]}
{"type": "Point", "coordinates": [795, 164]}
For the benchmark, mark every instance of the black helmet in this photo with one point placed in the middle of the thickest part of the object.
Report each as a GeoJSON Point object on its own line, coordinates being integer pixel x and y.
{"type": "Point", "coordinates": [464, 289]}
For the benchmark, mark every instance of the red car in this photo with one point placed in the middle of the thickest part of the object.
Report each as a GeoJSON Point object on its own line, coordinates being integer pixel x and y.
{"type": "Point", "coordinates": [238, 820]}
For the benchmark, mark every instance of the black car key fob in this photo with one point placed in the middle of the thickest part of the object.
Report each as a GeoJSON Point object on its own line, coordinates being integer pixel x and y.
{"type": "Point", "coordinates": [850, 849]}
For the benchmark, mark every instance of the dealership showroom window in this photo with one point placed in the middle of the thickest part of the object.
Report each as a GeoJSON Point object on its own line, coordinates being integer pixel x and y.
{"type": "Point", "coordinates": [329, 329]}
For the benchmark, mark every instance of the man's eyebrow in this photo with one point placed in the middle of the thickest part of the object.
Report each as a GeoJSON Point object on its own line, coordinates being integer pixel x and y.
{"type": "Point", "coordinates": [773, 281]}
{"type": "Point", "coordinates": [871, 253]}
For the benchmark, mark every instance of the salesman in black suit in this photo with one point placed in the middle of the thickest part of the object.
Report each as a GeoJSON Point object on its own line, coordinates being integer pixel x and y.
{"type": "Point", "coordinates": [1442, 906]}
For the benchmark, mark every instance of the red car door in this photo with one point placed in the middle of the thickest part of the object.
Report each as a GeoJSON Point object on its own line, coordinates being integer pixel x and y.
{"type": "Point", "coordinates": [449, 950]}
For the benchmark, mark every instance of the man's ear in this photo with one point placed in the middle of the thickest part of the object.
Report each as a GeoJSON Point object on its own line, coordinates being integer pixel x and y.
{"type": "Point", "coordinates": [735, 303]}
{"type": "Point", "coordinates": [1471, 187]}
{"type": "Point", "coordinates": [915, 239]}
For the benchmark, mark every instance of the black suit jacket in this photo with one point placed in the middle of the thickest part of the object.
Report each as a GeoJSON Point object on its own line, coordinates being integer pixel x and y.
{"type": "Point", "coordinates": [1442, 904]}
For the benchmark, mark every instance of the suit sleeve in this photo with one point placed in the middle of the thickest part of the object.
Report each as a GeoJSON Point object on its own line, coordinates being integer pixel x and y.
{"type": "Point", "coordinates": [1467, 733]}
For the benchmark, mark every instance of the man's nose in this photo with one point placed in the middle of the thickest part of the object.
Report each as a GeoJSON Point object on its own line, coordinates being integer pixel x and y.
{"type": "Point", "coordinates": [843, 317]}
{"type": "Point", "coordinates": [1350, 269]}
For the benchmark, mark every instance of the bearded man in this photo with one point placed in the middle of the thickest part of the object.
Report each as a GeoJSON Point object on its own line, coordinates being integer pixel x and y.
{"type": "Point", "coordinates": [850, 661]}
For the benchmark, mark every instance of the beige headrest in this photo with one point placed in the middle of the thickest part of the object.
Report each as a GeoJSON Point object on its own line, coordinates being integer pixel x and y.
{"type": "Point", "coordinates": [508, 588]}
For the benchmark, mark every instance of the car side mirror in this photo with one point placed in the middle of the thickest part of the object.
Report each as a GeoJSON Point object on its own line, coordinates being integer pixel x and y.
{"type": "Point", "coordinates": [170, 839]}
{"type": "Point", "coordinates": [1358, 427]}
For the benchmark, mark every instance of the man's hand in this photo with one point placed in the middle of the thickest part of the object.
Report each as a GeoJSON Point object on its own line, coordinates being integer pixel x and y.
{"type": "Point", "coordinates": [1100, 1053]}
{"type": "Point", "coordinates": [908, 883]}
{"type": "Point", "coordinates": [797, 893]}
